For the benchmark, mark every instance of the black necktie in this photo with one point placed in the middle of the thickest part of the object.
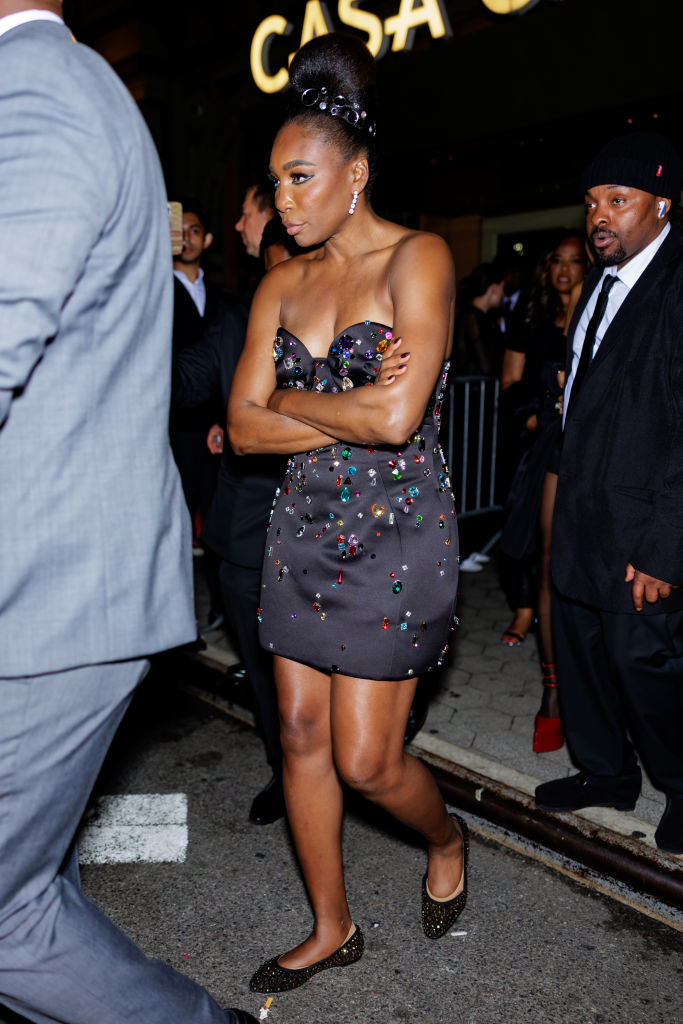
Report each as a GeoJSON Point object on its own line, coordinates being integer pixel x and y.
{"type": "Point", "coordinates": [591, 331]}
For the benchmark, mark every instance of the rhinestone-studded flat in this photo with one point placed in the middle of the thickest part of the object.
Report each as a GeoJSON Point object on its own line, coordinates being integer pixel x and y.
{"type": "Point", "coordinates": [272, 977]}
{"type": "Point", "coordinates": [440, 915]}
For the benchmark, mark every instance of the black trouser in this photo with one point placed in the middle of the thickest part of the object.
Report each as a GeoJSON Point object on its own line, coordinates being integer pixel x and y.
{"type": "Point", "coordinates": [198, 470]}
{"type": "Point", "coordinates": [241, 589]}
{"type": "Point", "coordinates": [621, 672]}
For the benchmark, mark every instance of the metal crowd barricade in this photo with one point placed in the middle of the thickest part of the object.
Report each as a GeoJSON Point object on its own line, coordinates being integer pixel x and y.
{"type": "Point", "coordinates": [470, 445]}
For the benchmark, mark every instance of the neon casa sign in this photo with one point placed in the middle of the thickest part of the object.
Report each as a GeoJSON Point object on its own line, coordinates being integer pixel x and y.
{"type": "Point", "coordinates": [400, 28]}
{"type": "Point", "coordinates": [509, 6]}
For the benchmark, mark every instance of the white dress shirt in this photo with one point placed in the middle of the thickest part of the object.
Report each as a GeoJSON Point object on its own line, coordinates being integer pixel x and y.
{"type": "Point", "coordinates": [626, 278]}
{"type": "Point", "coordinates": [196, 289]}
{"type": "Point", "coordinates": [11, 21]}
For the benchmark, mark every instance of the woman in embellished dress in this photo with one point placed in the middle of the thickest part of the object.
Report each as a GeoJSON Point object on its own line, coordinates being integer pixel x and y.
{"type": "Point", "coordinates": [344, 364]}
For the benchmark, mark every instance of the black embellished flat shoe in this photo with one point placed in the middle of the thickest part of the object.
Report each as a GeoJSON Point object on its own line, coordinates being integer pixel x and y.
{"type": "Point", "coordinates": [273, 977]}
{"type": "Point", "coordinates": [440, 915]}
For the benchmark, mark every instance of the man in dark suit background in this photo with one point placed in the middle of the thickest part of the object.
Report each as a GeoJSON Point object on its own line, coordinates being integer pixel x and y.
{"type": "Point", "coordinates": [617, 552]}
{"type": "Point", "coordinates": [235, 523]}
{"type": "Point", "coordinates": [195, 302]}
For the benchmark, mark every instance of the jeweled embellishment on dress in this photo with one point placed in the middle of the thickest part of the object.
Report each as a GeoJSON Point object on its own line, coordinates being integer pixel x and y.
{"type": "Point", "coordinates": [392, 506]}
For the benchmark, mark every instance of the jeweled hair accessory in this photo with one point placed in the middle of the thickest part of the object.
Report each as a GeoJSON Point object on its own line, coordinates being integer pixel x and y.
{"type": "Point", "coordinates": [338, 106]}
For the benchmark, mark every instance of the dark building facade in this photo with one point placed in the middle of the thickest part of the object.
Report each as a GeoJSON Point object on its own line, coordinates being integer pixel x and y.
{"type": "Point", "coordinates": [482, 130]}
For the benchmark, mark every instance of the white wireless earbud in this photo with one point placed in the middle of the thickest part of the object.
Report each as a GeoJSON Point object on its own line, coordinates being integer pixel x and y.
{"type": "Point", "coordinates": [661, 208]}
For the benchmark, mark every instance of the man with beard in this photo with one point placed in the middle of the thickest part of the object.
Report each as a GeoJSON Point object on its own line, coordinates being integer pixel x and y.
{"type": "Point", "coordinates": [617, 552]}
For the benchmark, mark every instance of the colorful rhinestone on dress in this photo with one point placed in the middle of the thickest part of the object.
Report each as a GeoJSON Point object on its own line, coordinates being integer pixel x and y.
{"type": "Point", "coordinates": [398, 482]}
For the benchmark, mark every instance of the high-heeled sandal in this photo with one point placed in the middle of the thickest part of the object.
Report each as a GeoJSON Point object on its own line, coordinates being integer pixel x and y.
{"type": "Point", "coordinates": [440, 915]}
{"type": "Point", "coordinates": [513, 638]}
{"type": "Point", "coordinates": [273, 977]}
{"type": "Point", "coordinates": [548, 733]}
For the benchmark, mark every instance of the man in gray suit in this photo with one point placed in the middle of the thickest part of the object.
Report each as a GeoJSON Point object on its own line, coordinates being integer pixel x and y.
{"type": "Point", "coordinates": [94, 533]}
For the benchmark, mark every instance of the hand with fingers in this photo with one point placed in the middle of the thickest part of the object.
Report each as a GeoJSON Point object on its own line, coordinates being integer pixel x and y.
{"type": "Point", "coordinates": [394, 362]}
{"type": "Point", "coordinates": [646, 587]}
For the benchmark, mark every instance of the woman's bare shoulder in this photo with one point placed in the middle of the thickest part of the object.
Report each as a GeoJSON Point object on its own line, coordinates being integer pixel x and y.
{"type": "Point", "coordinates": [420, 255]}
{"type": "Point", "coordinates": [422, 244]}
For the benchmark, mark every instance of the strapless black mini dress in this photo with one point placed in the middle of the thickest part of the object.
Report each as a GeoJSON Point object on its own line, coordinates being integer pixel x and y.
{"type": "Point", "coordinates": [361, 563]}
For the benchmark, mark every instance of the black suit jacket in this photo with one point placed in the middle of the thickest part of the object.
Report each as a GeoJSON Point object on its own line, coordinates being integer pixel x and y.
{"type": "Point", "coordinates": [620, 490]}
{"type": "Point", "coordinates": [235, 525]}
{"type": "Point", "coordinates": [188, 327]}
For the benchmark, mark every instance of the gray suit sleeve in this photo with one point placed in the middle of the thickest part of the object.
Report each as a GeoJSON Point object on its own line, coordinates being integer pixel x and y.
{"type": "Point", "coordinates": [53, 205]}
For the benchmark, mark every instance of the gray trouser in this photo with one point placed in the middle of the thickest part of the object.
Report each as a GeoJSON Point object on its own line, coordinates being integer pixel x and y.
{"type": "Point", "coordinates": [61, 959]}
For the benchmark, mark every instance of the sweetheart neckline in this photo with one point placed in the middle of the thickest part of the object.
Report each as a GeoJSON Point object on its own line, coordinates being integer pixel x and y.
{"type": "Point", "coordinates": [361, 323]}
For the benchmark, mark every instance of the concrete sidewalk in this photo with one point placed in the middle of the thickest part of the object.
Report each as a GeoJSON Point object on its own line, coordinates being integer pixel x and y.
{"type": "Point", "coordinates": [477, 738]}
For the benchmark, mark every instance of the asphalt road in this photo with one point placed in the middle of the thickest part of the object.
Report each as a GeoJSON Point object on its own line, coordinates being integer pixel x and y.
{"type": "Point", "coordinates": [538, 947]}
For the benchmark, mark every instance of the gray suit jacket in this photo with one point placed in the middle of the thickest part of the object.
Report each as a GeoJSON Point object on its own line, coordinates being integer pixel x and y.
{"type": "Point", "coordinates": [95, 560]}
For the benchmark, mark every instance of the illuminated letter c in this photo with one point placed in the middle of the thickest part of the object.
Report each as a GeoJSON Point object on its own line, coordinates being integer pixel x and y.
{"type": "Point", "coordinates": [274, 25]}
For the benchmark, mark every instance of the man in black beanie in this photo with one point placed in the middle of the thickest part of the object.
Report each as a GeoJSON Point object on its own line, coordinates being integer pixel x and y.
{"type": "Point", "coordinates": [617, 552]}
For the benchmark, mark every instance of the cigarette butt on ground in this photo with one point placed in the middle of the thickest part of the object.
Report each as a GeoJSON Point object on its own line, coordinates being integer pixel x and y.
{"type": "Point", "coordinates": [265, 1009]}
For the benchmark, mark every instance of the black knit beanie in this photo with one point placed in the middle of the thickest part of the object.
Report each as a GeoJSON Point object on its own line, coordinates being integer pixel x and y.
{"type": "Point", "coordinates": [643, 160]}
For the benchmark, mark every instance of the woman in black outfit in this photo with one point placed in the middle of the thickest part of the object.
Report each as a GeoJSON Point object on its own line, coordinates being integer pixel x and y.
{"type": "Point", "coordinates": [532, 383]}
{"type": "Point", "coordinates": [477, 342]}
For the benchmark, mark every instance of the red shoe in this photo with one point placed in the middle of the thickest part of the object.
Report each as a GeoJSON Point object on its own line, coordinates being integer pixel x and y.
{"type": "Point", "coordinates": [548, 734]}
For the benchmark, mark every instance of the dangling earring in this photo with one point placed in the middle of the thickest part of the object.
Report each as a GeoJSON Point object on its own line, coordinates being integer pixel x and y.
{"type": "Point", "coordinates": [352, 207]}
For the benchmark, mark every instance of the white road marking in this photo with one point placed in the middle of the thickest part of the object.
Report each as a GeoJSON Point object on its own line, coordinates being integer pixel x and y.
{"type": "Point", "coordinates": [136, 828]}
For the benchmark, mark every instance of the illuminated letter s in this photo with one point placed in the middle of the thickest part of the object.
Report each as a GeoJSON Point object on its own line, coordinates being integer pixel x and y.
{"type": "Point", "coordinates": [402, 25]}
{"type": "Point", "coordinates": [366, 22]}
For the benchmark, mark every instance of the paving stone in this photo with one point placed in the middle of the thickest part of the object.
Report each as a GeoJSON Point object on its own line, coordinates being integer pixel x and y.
{"type": "Point", "coordinates": [519, 668]}
{"type": "Point", "coordinates": [455, 675]}
{"type": "Point", "coordinates": [477, 663]}
{"type": "Point", "coordinates": [648, 791]}
{"type": "Point", "coordinates": [490, 682]}
{"type": "Point", "coordinates": [482, 719]}
{"type": "Point", "coordinates": [453, 733]}
{"type": "Point", "coordinates": [548, 766]}
{"type": "Point", "coordinates": [467, 645]}
{"type": "Point", "coordinates": [523, 724]}
{"type": "Point", "coordinates": [465, 697]}
{"type": "Point", "coordinates": [519, 704]}
{"type": "Point", "coordinates": [440, 714]}
{"type": "Point", "coordinates": [649, 810]}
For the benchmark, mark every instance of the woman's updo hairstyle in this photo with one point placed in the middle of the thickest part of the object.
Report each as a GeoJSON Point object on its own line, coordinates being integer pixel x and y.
{"type": "Point", "coordinates": [332, 88]}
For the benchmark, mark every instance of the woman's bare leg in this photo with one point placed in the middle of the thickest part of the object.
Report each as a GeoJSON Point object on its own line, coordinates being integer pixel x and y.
{"type": "Point", "coordinates": [314, 805]}
{"type": "Point", "coordinates": [354, 727]}
{"type": "Point", "coordinates": [368, 726]}
{"type": "Point", "coordinates": [550, 705]}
